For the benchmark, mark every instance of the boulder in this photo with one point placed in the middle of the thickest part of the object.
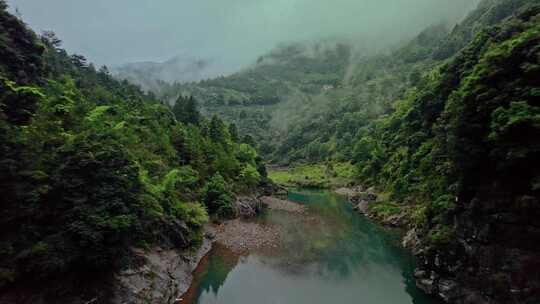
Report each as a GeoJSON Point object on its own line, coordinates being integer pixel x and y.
{"type": "Point", "coordinates": [248, 206]}
{"type": "Point", "coordinates": [362, 207]}
{"type": "Point", "coordinates": [412, 241]}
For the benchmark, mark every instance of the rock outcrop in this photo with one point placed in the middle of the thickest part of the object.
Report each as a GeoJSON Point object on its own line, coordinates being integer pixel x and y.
{"type": "Point", "coordinates": [494, 257]}
{"type": "Point", "coordinates": [360, 197]}
{"type": "Point", "coordinates": [161, 277]}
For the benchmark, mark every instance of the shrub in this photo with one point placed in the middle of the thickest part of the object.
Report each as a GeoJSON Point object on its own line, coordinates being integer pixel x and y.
{"type": "Point", "coordinates": [217, 197]}
{"type": "Point", "coordinates": [250, 176]}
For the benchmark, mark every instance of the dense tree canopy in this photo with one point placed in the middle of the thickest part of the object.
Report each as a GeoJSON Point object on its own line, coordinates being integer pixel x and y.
{"type": "Point", "coordinates": [91, 166]}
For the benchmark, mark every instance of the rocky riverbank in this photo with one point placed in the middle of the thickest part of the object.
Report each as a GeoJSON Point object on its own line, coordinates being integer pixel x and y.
{"type": "Point", "coordinates": [243, 235]}
{"type": "Point", "coordinates": [366, 202]}
{"type": "Point", "coordinates": [164, 275]}
{"type": "Point", "coordinates": [469, 270]}
{"type": "Point", "coordinates": [161, 276]}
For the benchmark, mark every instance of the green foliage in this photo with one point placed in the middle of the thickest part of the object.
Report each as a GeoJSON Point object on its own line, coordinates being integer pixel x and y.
{"type": "Point", "coordinates": [20, 50]}
{"type": "Point", "coordinates": [441, 236]}
{"type": "Point", "coordinates": [97, 113]}
{"type": "Point", "coordinates": [246, 154]}
{"type": "Point", "coordinates": [250, 176]}
{"type": "Point", "coordinates": [330, 175]}
{"type": "Point", "coordinates": [233, 132]}
{"type": "Point", "coordinates": [384, 209]}
{"type": "Point", "coordinates": [217, 197]}
{"type": "Point", "coordinates": [186, 110]}
{"type": "Point", "coordinates": [194, 214]}
{"type": "Point", "coordinates": [217, 130]}
{"type": "Point", "coordinates": [506, 123]}
{"type": "Point", "coordinates": [469, 129]}
{"type": "Point", "coordinates": [91, 167]}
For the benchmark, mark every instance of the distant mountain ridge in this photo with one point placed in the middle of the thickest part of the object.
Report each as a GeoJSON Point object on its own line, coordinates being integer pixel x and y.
{"type": "Point", "coordinates": [181, 68]}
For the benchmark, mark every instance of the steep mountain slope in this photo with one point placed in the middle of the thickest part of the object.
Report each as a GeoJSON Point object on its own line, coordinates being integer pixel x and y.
{"type": "Point", "coordinates": [91, 167]}
{"type": "Point", "coordinates": [463, 149]}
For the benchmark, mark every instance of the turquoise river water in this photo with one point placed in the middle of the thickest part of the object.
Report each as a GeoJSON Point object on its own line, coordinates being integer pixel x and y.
{"type": "Point", "coordinates": [330, 255]}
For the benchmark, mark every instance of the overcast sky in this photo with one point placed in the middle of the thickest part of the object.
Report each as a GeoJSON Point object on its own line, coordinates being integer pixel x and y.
{"type": "Point", "coordinates": [234, 32]}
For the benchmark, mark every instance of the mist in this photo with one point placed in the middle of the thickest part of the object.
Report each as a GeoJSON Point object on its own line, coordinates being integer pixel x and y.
{"type": "Point", "coordinates": [232, 33]}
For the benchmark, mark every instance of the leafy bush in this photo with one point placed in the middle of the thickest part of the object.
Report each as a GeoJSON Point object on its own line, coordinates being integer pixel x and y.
{"type": "Point", "coordinates": [250, 176]}
{"type": "Point", "coordinates": [441, 235]}
{"type": "Point", "coordinates": [218, 198]}
{"type": "Point", "coordinates": [384, 209]}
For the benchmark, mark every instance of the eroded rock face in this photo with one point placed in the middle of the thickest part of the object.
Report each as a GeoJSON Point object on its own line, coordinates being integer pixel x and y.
{"type": "Point", "coordinates": [495, 257]}
{"type": "Point", "coordinates": [163, 277]}
{"type": "Point", "coordinates": [412, 242]}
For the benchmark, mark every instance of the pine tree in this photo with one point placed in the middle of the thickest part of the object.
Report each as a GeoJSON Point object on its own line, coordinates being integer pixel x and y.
{"type": "Point", "coordinates": [186, 110]}
{"type": "Point", "coordinates": [217, 130]}
{"type": "Point", "coordinates": [233, 132]}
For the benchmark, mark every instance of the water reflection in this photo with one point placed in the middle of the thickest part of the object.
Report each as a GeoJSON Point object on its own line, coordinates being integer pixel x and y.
{"type": "Point", "coordinates": [330, 254]}
{"type": "Point", "coordinates": [211, 273]}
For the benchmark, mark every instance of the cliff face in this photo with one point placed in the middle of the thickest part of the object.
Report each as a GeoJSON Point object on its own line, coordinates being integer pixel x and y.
{"type": "Point", "coordinates": [492, 124]}
{"type": "Point", "coordinates": [495, 258]}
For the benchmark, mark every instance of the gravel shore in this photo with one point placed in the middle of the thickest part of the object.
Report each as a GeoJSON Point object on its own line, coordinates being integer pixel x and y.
{"type": "Point", "coordinates": [279, 204]}
{"type": "Point", "coordinates": [242, 236]}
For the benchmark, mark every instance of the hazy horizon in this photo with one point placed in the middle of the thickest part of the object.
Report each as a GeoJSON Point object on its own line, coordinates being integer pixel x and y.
{"type": "Point", "coordinates": [230, 35]}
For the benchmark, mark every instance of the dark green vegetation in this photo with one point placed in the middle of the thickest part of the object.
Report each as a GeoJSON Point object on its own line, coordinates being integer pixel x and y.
{"type": "Point", "coordinates": [448, 123]}
{"type": "Point", "coordinates": [91, 167]}
{"type": "Point", "coordinates": [467, 129]}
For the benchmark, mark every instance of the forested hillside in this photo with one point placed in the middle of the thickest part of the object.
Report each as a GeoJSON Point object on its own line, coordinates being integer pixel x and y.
{"type": "Point", "coordinates": [446, 125]}
{"type": "Point", "coordinates": [263, 100]}
{"type": "Point", "coordinates": [91, 167]}
{"type": "Point", "coordinates": [309, 101]}
{"type": "Point", "coordinates": [462, 147]}
{"type": "Point", "coordinates": [440, 133]}
{"type": "Point", "coordinates": [299, 86]}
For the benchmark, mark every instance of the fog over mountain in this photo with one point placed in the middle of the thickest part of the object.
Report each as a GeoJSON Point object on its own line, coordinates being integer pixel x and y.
{"type": "Point", "coordinates": [248, 151]}
{"type": "Point", "coordinates": [181, 68]}
{"type": "Point", "coordinates": [227, 34]}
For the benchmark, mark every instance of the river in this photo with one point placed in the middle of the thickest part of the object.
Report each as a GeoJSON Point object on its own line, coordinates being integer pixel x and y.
{"type": "Point", "coordinates": [329, 255]}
